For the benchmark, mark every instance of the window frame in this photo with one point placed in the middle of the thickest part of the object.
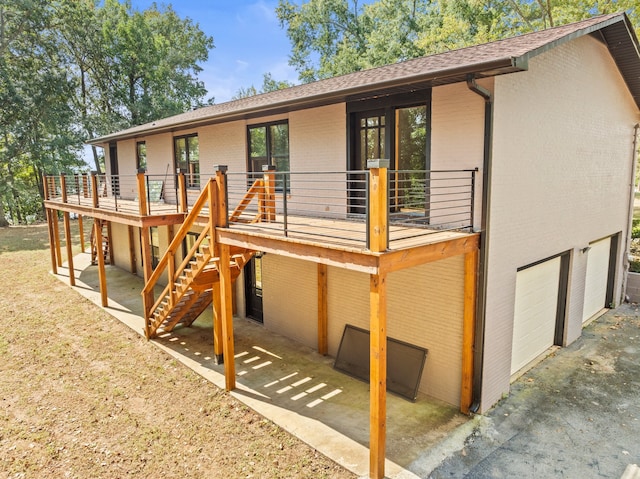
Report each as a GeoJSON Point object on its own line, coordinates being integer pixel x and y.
{"type": "Point", "coordinates": [192, 177]}
{"type": "Point", "coordinates": [270, 157]}
{"type": "Point", "coordinates": [139, 163]}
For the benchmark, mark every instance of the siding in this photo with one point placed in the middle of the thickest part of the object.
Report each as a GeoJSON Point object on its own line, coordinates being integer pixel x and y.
{"type": "Point", "coordinates": [424, 308]}
{"type": "Point", "coordinates": [457, 132]}
{"type": "Point", "coordinates": [561, 168]}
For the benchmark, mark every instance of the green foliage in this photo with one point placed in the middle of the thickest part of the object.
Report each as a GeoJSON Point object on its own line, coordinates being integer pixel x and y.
{"type": "Point", "coordinates": [635, 228]}
{"type": "Point", "coordinates": [334, 37]}
{"type": "Point", "coordinates": [268, 85]}
{"type": "Point", "coordinates": [76, 69]}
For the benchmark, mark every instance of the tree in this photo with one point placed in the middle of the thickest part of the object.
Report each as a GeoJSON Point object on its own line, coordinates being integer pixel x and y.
{"type": "Point", "coordinates": [334, 37]}
{"type": "Point", "coordinates": [268, 85]}
{"type": "Point", "coordinates": [72, 69]}
{"type": "Point", "coordinates": [132, 67]}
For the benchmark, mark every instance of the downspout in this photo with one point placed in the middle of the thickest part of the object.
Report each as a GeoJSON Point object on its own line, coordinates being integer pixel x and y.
{"type": "Point", "coordinates": [478, 348]}
{"type": "Point", "coordinates": [632, 184]}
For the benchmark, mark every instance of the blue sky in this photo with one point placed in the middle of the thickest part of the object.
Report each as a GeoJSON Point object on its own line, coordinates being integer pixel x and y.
{"type": "Point", "coordinates": [248, 42]}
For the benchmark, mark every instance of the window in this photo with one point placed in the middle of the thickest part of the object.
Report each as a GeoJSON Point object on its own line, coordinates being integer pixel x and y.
{"type": "Point", "coordinates": [187, 158]}
{"type": "Point", "coordinates": [141, 156]}
{"type": "Point", "coordinates": [268, 145]}
{"type": "Point", "coordinates": [155, 246]}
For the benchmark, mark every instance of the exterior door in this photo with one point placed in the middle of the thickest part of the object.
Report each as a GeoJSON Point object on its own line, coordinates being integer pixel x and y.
{"type": "Point", "coordinates": [597, 278]}
{"type": "Point", "coordinates": [113, 167]}
{"type": "Point", "coordinates": [370, 132]}
{"type": "Point", "coordinates": [253, 288]}
{"type": "Point", "coordinates": [536, 312]}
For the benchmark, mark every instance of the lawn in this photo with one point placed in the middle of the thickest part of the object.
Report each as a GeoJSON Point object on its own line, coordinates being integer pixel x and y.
{"type": "Point", "coordinates": [85, 397]}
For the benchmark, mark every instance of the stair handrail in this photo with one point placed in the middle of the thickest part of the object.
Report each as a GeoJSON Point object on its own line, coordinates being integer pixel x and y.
{"type": "Point", "coordinates": [207, 192]}
{"type": "Point", "coordinates": [256, 189]}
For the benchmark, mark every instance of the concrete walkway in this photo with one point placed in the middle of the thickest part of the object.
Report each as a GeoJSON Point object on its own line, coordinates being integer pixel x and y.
{"type": "Point", "coordinates": [291, 385]}
{"type": "Point", "coordinates": [575, 415]}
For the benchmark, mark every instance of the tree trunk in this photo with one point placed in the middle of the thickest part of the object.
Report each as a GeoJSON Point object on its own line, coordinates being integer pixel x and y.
{"type": "Point", "coordinates": [3, 220]}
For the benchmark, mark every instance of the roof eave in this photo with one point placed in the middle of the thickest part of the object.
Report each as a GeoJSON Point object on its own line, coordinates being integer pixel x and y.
{"type": "Point", "coordinates": [481, 70]}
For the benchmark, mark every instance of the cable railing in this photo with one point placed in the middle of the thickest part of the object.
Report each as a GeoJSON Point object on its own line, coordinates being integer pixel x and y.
{"type": "Point", "coordinates": [336, 205]}
{"type": "Point", "coordinates": [118, 193]}
{"type": "Point", "coordinates": [317, 206]}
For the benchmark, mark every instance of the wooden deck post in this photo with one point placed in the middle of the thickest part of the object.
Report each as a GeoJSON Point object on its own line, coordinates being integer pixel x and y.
{"type": "Point", "coordinates": [218, 217]}
{"type": "Point", "coordinates": [56, 234]}
{"type": "Point", "coordinates": [52, 241]}
{"type": "Point", "coordinates": [269, 202]}
{"type": "Point", "coordinates": [110, 243]}
{"type": "Point", "coordinates": [132, 251]}
{"type": "Point", "coordinates": [322, 310]}
{"type": "Point", "coordinates": [148, 298]}
{"type": "Point", "coordinates": [182, 193]}
{"type": "Point", "coordinates": [69, 246]}
{"type": "Point", "coordinates": [102, 277]}
{"type": "Point", "coordinates": [142, 193]}
{"type": "Point", "coordinates": [81, 233]}
{"type": "Point", "coordinates": [468, 329]}
{"type": "Point", "coordinates": [94, 188]}
{"type": "Point", "coordinates": [227, 317]}
{"type": "Point", "coordinates": [378, 375]}
{"type": "Point", "coordinates": [378, 240]}
{"type": "Point", "coordinates": [378, 205]}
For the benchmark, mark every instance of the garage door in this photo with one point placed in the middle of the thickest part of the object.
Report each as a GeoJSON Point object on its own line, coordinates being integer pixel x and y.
{"type": "Point", "coordinates": [597, 279]}
{"type": "Point", "coordinates": [536, 310]}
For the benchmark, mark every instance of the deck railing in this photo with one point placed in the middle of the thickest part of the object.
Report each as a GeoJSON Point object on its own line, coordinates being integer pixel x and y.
{"type": "Point", "coordinates": [337, 205]}
{"type": "Point", "coordinates": [304, 205]}
{"type": "Point", "coordinates": [120, 193]}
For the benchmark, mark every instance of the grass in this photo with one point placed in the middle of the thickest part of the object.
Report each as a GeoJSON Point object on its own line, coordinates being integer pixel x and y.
{"type": "Point", "coordinates": [83, 396]}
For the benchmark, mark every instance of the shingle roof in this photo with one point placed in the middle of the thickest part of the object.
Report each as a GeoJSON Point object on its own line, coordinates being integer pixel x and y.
{"type": "Point", "coordinates": [488, 59]}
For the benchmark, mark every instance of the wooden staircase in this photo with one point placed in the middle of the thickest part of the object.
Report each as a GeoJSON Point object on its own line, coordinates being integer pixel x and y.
{"type": "Point", "coordinates": [193, 291]}
{"type": "Point", "coordinates": [190, 285]}
{"type": "Point", "coordinates": [105, 248]}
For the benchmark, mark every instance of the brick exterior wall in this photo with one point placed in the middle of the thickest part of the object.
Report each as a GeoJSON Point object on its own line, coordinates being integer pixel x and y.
{"type": "Point", "coordinates": [561, 171]}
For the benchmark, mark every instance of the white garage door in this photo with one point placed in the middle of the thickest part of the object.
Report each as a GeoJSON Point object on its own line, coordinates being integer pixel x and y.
{"type": "Point", "coordinates": [595, 288]}
{"type": "Point", "coordinates": [536, 309]}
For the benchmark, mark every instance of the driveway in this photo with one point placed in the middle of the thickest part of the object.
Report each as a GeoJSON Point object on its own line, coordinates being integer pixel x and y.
{"type": "Point", "coordinates": [575, 415]}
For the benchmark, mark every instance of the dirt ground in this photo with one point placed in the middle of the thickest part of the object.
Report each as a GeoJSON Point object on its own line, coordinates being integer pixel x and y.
{"type": "Point", "coordinates": [82, 396]}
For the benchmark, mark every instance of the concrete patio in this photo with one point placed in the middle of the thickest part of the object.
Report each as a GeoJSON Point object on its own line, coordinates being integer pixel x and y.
{"type": "Point", "coordinates": [294, 386]}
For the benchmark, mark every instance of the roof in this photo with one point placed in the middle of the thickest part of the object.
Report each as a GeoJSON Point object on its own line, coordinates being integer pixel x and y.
{"type": "Point", "coordinates": [485, 60]}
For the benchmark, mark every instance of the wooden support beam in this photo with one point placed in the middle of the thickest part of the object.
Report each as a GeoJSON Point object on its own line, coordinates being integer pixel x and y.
{"type": "Point", "coordinates": [147, 298]}
{"type": "Point", "coordinates": [378, 375]}
{"type": "Point", "coordinates": [226, 287]}
{"type": "Point", "coordinates": [52, 240]}
{"type": "Point", "coordinates": [269, 201]}
{"type": "Point", "coordinates": [132, 251]}
{"type": "Point", "coordinates": [56, 234]}
{"type": "Point", "coordinates": [468, 329]}
{"type": "Point", "coordinates": [81, 233]}
{"type": "Point", "coordinates": [323, 344]}
{"type": "Point", "coordinates": [142, 193]}
{"type": "Point", "coordinates": [69, 245]}
{"type": "Point", "coordinates": [378, 205]}
{"type": "Point", "coordinates": [110, 242]}
{"type": "Point", "coordinates": [102, 276]}
{"type": "Point", "coordinates": [218, 351]}
{"type": "Point", "coordinates": [182, 193]}
{"type": "Point", "coordinates": [94, 189]}
{"type": "Point", "coordinates": [408, 258]}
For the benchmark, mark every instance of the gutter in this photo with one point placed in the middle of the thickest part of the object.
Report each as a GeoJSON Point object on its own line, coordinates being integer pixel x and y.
{"type": "Point", "coordinates": [632, 183]}
{"type": "Point", "coordinates": [483, 256]}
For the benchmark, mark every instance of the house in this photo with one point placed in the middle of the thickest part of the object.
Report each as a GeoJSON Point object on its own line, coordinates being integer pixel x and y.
{"type": "Point", "coordinates": [474, 204]}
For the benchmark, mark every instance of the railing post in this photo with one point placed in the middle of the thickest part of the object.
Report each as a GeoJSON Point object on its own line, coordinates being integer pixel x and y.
{"type": "Point", "coordinates": [269, 202]}
{"type": "Point", "coordinates": [142, 192]}
{"type": "Point", "coordinates": [94, 188]}
{"type": "Point", "coordinates": [63, 187]}
{"type": "Point", "coordinates": [223, 204]}
{"type": "Point", "coordinates": [378, 207]}
{"type": "Point", "coordinates": [182, 193]}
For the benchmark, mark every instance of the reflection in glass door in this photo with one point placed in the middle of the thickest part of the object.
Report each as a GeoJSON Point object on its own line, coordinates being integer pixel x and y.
{"type": "Point", "coordinates": [253, 288]}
